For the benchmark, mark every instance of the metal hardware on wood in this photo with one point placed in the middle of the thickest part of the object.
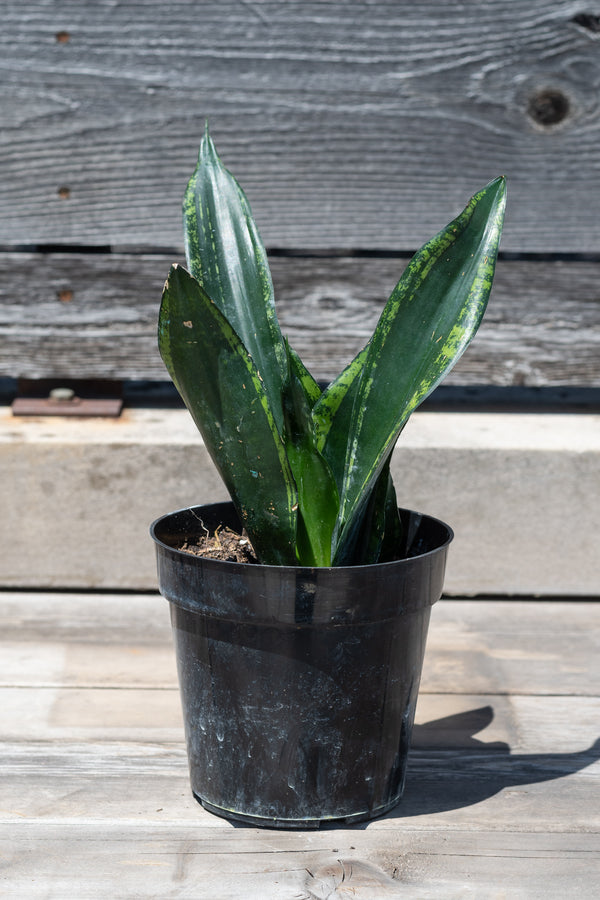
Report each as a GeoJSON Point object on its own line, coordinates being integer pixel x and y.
{"type": "Point", "coordinates": [60, 395]}
{"type": "Point", "coordinates": [64, 400]}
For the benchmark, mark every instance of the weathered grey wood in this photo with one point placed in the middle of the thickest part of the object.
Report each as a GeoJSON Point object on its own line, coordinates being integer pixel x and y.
{"type": "Point", "coordinates": [50, 617]}
{"type": "Point", "coordinates": [86, 315]}
{"type": "Point", "coordinates": [349, 124]}
{"type": "Point", "coordinates": [501, 796]}
{"type": "Point", "coordinates": [562, 729]}
{"type": "Point", "coordinates": [61, 641]}
{"type": "Point", "coordinates": [42, 781]}
{"type": "Point", "coordinates": [522, 648]}
{"type": "Point", "coordinates": [501, 481]}
{"type": "Point", "coordinates": [183, 861]}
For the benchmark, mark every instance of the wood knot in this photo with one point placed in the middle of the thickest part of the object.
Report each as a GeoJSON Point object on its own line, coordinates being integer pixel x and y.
{"type": "Point", "coordinates": [589, 21]}
{"type": "Point", "coordinates": [548, 107]}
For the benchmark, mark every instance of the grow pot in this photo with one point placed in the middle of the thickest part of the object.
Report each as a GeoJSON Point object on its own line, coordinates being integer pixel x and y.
{"type": "Point", "coordinates": [298, 685]}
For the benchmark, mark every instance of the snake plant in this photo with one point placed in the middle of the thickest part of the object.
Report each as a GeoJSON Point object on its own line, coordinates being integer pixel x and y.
{"type": "Point", "coordinates": [309, 469]}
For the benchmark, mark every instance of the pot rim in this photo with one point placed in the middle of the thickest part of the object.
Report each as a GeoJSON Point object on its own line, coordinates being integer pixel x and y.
{"type": "Point", "coordinates": [298, 570]}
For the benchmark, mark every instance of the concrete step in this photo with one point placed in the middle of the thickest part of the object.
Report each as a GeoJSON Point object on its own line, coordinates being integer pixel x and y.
{"type": "Point", "coordinates": [521, 491]}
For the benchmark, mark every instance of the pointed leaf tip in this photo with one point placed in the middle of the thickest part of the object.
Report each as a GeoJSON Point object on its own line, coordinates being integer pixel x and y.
{"type": "Point", "coordinates": [431, 316]}
{"type": "Point", "coordinates": [225, 254]}
{"type": "Point", "coordinates": [497, 188]}
{"type": "Point", "coordinates": [207, 147]}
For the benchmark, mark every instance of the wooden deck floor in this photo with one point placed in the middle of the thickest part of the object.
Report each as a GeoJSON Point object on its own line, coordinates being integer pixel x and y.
{"type": "Point", "coordinates": [503, 794]}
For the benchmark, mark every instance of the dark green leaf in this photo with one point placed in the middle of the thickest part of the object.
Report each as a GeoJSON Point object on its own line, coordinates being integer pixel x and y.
{"type": "Point", "coordinates": [317, 492]}
{"type": "Point", "coordinates": [312, 390]}
{"type": "Point", "coordinates": [376, 533]}
{"type": "Point", "coordinates": [226, 256]}
{"type": "Point", "coordinates": [225, 394]}
{"type": "Point", "coordinates": [431, 316]}
{"type": "Point", "coordinates": [336, 403]}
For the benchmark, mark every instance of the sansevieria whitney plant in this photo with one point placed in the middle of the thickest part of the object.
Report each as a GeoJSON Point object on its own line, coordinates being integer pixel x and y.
{"type": "Point", "coordinates": [309, 470]}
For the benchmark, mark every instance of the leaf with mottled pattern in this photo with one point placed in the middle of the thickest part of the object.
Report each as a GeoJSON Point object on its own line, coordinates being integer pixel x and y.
{"type": "Point", "coordinates": [431, 316]}
{"type": "Point", "coordinates": [225, 394]}
{"type": "Point", "coordinates": [225, 254]}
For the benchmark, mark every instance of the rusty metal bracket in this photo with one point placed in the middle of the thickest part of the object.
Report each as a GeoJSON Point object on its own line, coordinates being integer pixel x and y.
{"type": "Point", "coordinates": [47, 397]}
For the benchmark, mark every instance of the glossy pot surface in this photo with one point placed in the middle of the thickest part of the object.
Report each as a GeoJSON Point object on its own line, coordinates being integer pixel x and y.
{"type": "Point", "coordinates": [298, 685]}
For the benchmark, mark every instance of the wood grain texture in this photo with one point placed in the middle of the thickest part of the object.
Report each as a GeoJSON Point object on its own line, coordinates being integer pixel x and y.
{"type": "Point", "coordinates": [500, 797]}
{"type": "Point", "coordinates": [177, 862]}
{"type": "Point", "coordinates": [94, 315]}
{"type": "Point", "coordinates": [122, 861]}
{"type": "Point", "coordinates": [520, 489]}
{"type": "Point", "coordinates": [64, 781]}
{"type": "Point", "coordinates": [361, 124]}
{"type": "Point", "coordinates": [58, 640]}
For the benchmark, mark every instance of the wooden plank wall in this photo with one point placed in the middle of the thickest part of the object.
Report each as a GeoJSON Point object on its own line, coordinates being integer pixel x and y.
{"type": "Point", "coordinates": [358, 129]}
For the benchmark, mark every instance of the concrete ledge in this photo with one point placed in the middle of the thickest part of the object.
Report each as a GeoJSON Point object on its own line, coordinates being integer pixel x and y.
{"type": "Point", "coordinates": [522, 492]}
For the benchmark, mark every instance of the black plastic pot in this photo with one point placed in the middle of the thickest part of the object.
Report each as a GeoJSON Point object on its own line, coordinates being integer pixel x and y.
{"type": "Point", "coordinates": [298, 685]}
